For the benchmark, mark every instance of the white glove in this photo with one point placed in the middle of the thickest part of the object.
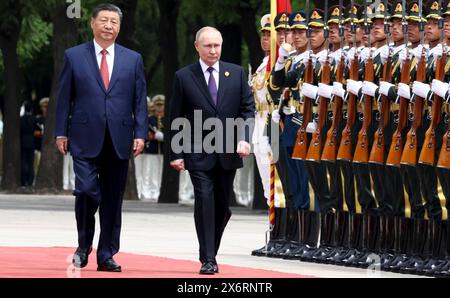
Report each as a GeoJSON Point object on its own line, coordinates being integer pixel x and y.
{"type": "Point", "coordinates": [309, 90]}
{"type": "Point", "coordinates": [354, 86]}
{"type": "Point", "coordinates": [336, 56]}
{"type": "Point", "coordinates": [439, 87]}
{"type": "Point", "coordinates": [365, 54]}
{"type": "Point", "coordinates": [417, 52]}
{"type": "Point", "coordinates": [338, 90]}
{"type": "Point", "coordinates": [384, 54]}
{"type": "Point", "coordinates": [384, 87]}
{"type": "Point", "coordinates": [369, 88]}
{"type": "Point", "coordinates": [159, 136]}
{"type": "Point", "coordinates": [275, 116]}
{"type": "Point", "coordinates": [282, 55]}
{"type": "Point", "coordinates": [402, 55]}
{"type": "Point", "coordinates": [420, 89]}
{"type": "Point", "coordinates": [321, 57]}
{"type": "Point", "coordinates": [350, 56]}
{"type": "Point", "coordinates": [311, 127]}
{"type": "Point", "coordinates": [325, 90]}
{"type": "Point", "coordinates": [288, 110]}
{"type": "Point", "coordinates": [404, 90]}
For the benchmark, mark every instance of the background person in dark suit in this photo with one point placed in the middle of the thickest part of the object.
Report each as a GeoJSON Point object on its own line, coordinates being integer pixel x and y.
{"type": "Point", "coordinates": [218, 90]}
{"type": "Point", "coordinates": [27, 126]}
{"type": "Point", "coordinates": [102, 87]}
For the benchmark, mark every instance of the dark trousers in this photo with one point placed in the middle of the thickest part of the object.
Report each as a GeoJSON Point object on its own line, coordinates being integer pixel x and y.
{"type": "Point", "coordinates": [212, 192]}
{"type": "Point", "coordinates": [346, 172]}
{"type": "Point", "coordinates": [428, 186]}
{"type": "Point", "coordinates": [100, 184]}
{"type": "Point", "coordinates": [317, 173]}
{"type": "Point", "coordinates": [364, 188]}
{"type": "Point", "coordinates": [412, 184]}
{"type": "Point", "coordinates": [395, 191]}
{"type": "Point", "coordinates": [27, 170]}
{"type": "Point", "coordinates": [444, 179]}
{"type": "Point", "coordinates": [298, 181]}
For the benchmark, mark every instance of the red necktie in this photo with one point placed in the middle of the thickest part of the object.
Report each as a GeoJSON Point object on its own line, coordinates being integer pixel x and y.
{"type": "Point", "coordinates": [104, 69]}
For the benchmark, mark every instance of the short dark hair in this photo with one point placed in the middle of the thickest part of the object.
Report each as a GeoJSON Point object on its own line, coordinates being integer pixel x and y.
{"type": "Point", "coordinates": [108, 7]}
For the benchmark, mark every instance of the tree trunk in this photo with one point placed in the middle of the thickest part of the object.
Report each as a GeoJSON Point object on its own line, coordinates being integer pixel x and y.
{"type": "Point", "coordinates": [9, 36]}
{"type": "Point", "coordinates": [65, 35]}
{"type": "Point", "coordinates": [232, 43]}
{"type": "Point", "coordinates": [169, 50]}
{"type": "Point", "coordinates": [251, 35]}
{"type": "Point", "coordinates": [127, 27]}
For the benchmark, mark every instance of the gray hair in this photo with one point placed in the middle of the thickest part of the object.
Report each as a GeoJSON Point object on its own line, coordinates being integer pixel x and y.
{"type": "Point", "coordinates": [206, 28]}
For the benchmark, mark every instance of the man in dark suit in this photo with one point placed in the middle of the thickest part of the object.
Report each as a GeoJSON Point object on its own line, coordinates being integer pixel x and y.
{"type": "Point", "coordinates": [101, 117]}
{"type": "Point", "coordinates": [211, 90]}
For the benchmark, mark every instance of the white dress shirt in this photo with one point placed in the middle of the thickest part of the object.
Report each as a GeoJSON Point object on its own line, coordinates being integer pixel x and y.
{"type": "Point", "coordinates": [207, 74]}
{"type": "Point", "coordinates": [109, 57]}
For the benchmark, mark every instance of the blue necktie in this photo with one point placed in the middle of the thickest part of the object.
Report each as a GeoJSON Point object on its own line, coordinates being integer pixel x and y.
{"type": "Point", "coordinates": [212, 87]}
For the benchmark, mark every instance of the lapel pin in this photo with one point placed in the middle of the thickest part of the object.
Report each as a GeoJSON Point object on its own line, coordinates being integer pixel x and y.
{"type": "Point", "coordinates": [227, 74]}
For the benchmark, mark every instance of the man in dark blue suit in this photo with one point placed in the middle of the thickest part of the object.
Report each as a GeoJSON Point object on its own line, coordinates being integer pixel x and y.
{"type": "Point", "coordinates": [211, 90]}
{"type": "Point", "coordinates": [101, 116]}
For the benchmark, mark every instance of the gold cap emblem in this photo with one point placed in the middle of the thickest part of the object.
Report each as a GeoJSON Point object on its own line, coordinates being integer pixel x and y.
{"type": "Point", "coordinates": [299, 18]}
{"type": "Point", "coordinates": [315, 15]}
{"type": "Point", "coordinates": [283, 18]}
{"type": "Point", "coordinates": [435, 6]}
{"type": "Point", "coordinates": [335, 12]}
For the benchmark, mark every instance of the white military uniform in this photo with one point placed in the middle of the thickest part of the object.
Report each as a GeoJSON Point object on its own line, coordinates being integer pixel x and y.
{"type": "Point", "coordinates": [260, 139]}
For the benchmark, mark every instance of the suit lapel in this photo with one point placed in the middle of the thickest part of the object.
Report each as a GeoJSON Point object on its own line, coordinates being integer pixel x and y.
{"type": "Point", "coordinates": [224, 79]}
{"type": "Point", "coordinates": [92, 61]}
{"type": "Point", "coordinates": [117, 66]}
{"type": "Point", "coordinates": [199, 79]}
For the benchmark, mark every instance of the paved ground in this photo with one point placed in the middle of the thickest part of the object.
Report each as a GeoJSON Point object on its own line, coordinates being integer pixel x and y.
{"type": "Point", "coordinates": [152, 229]}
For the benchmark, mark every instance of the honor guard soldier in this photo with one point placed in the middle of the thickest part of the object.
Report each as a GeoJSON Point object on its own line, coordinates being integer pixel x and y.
{"type": "Point", "coordinates": [290, 114]}
{"type": "Point", "coordinates": [264, 107]}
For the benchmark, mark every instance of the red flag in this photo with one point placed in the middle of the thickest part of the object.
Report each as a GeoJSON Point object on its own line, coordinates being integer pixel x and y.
{"type": "Point", "coordinates": [281, 6]}
{"type": "Point", "coordinates": [284, 6]}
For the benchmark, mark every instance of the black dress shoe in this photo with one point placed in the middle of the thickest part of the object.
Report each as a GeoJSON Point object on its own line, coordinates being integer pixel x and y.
{"type": "Point", "coordinates": [110, 266]}
{"type": "Point", "coordinates": [209, 268]}
{"type": "Point", "coordinates": [80, 257]}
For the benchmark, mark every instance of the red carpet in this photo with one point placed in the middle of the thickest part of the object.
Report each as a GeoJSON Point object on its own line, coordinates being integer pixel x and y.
{"type": "Point", "coordinates": [55, 262]}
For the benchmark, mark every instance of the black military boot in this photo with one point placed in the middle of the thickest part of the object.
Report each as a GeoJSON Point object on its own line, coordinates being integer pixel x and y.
{"type": "Point", "coordinates": [372, 254]}
{"type": "Point", "coordinates": [311, 229]}
{"type": "Point", "coordinates": [277, 235]}
{"type": "Point", "coordinates": [326, 239]}
{"type": "Point", "coordinates": [403, 230]}
{"type": "Point", "coordinates": [420, 245]}
{"type": "Point", "coordinates": [292, 234]}
{"type": "Point", "coordinates": [444, 269]}
{"type": "Point", "coordinates": [439, 256]}
{"type": "Point", "coordinates": [354, 241]}
{"type": "Point", "coordinates": [340, 238]}
{"type": "Point", "coordinates": [393, 236]}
